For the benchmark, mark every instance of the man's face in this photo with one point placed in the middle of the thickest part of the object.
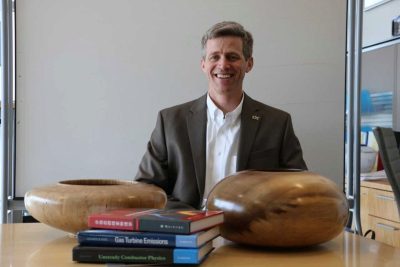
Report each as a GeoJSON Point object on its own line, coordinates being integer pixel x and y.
{"type": "Point", "coordinates": [225, 65]}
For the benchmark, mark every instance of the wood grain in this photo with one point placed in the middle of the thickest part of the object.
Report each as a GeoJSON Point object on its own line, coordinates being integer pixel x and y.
{"type": "Point", "coordinates": [67, 204]}
{"type": "Point", "coordinates": [279, 209]}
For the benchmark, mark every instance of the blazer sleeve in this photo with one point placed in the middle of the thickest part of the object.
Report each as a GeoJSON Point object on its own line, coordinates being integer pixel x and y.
{"type": "Point", "coordinates": [154, 169]}
{"type": "Point", "coordinates": [291, 153]}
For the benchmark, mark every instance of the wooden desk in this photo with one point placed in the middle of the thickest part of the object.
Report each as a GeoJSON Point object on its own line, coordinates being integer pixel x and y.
{"type": "Point", "coordinates": [35, 244]}
{"type": "Point", "coordinates": [379, 211]}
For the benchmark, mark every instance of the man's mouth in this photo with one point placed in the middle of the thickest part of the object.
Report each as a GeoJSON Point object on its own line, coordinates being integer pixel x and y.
{"type": "Point", "coordinates": [223, 75]}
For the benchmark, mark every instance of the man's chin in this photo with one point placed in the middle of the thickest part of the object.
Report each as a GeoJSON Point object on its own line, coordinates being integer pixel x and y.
{"type": "Point", "coordinates": [226, 91]}
{"type": "Point", "coordinates": [223, 85]}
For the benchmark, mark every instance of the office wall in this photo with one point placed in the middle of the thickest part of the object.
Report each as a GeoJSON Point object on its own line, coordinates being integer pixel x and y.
{"type": "Point", "coordinates": [377, 22]}
{"type": "Point", "coordinates": [3, 198]}
{"type": "Point", "coordinates": [378, 69]}
{"type": "Point", "coordinates": [92, 74]}
{"type": "Point", "coordinates": [379, 74]}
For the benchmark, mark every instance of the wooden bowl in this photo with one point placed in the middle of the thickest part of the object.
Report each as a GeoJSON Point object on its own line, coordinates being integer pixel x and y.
{"type": "Point", "coordinates": [67, 204]}
{"type": "Point", "coordinates": [279, 209]}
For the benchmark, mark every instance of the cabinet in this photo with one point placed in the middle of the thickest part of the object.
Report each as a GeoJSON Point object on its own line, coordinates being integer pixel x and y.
{"type": "Point", "coordinates": [379, 211]}
{"type": "Point", "coordinates": [377, 23]}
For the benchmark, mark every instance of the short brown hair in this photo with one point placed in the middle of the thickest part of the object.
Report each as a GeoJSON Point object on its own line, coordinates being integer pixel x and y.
{"type": "Point", "coordinates": [229, 28]}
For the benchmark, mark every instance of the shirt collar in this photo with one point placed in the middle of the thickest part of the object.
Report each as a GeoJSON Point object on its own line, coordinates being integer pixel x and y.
{"type": "Point", "coordinates": [214, 112]}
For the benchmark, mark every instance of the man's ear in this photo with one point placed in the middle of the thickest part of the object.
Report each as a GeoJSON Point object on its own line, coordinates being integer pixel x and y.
{"type": "Point", "coordinates": [250, 63]}
{"type": "Point", "coordinates": [202, 65]}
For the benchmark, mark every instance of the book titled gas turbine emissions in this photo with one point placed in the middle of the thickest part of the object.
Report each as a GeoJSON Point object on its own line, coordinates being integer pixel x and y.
{"type": "Point", "coordinates": [140, 255]}
{"type": "Point", "coordinates": [156, 220]}
{"type": "Point", "coordinates": [120, 238]}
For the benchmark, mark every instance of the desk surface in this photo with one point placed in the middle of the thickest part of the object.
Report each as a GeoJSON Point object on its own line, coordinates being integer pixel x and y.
{"type": "Point", "coordinates": [35, 244]}
{"type": "Point", "coordinates": [382, 184]}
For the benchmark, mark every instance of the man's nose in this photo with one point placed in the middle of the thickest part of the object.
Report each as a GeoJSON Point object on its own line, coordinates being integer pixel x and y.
{"type": "Point", "coordinates": [223, 63]}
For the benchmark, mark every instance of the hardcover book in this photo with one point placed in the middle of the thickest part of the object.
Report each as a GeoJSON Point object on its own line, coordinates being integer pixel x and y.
{"type": "Point", "coordinates": [156, 220]}
{"type": "Point", "coordinates": [145, 239]}
{"type": "Point", "coordinates": [140, 255]}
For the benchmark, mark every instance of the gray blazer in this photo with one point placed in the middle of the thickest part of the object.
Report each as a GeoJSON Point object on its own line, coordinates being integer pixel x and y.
{"type": "Point", "coordinates": [175, 158]}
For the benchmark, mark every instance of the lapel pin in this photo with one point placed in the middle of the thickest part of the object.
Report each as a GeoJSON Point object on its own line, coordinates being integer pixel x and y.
{"type": "Point", "coordinates": [255, 117]}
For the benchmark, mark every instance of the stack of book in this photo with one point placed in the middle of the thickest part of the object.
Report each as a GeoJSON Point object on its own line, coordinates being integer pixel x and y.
{"type": "Point", "coordinates": [148, 236]}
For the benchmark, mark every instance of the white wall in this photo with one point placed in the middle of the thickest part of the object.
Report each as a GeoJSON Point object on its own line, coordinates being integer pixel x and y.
{"type": "Point", "coordinates": [92, 74]}
{"type": "Point", "coordinates": [2, 178]}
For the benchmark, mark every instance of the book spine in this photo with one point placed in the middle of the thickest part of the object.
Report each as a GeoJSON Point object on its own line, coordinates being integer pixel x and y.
{"type": "Point", "coordinates": [122, 255]}
{"type": "Point", "coordinates": [186, 241]}
{"type": "Point", "coordinates": [126, 240]}
{"type": "Point", "coordinates": [164, 226]}
{"type": "Point", "coordinates": [186, 256]}
{"type": "Point", "coordinates": [111, 223]}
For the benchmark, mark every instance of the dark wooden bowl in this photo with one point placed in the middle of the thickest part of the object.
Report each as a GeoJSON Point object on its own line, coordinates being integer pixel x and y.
{"type": "Point", "coordinates": [279, 209]}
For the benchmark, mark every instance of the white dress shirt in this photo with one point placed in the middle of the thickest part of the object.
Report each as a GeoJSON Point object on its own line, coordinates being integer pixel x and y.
{"type": "Point", "coordinates": [222, 143]}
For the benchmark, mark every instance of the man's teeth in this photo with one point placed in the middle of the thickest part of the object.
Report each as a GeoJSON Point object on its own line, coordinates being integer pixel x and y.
{"type": "Point", "coordinates": [223, 76]}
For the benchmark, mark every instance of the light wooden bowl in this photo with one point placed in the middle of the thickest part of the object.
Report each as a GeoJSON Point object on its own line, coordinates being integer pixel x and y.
{"type": "Point", "coordinates": [67, 204]}
{"type": "Point", "coordinates": [279, 209]}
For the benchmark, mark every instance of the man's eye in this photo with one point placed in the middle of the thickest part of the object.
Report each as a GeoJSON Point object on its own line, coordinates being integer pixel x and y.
{"type": "Point", "coordinates": [213, 58]}
{"type": "Point", "coordinates": [233, 57]}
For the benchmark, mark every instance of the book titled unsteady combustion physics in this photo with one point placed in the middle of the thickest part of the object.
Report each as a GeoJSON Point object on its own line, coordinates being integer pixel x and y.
{"type": "Point", "coordinates": [156, 220]}
{"type": "Point", "coordinates": [145, 239]}
{"type": "Point", "coordinates": [139, 255]}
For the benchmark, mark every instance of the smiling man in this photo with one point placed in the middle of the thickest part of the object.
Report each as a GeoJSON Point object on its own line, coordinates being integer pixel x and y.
{"type": "Point", "coordinates": [196, 144]}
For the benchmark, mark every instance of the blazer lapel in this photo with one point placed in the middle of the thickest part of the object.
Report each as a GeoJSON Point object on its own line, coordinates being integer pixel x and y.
{"type": "Point", "coordinates": [197, 126]}
{"type": "Point", "coordinates": [250, 121]}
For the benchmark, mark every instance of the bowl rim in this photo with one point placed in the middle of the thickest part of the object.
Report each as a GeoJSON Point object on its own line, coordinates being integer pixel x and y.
{"type": "Point", "coordinates": [96, 182]}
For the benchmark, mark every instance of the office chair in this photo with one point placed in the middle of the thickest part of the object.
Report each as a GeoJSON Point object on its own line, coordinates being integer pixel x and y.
{"type": "Point", "coordinates": [390, 155]}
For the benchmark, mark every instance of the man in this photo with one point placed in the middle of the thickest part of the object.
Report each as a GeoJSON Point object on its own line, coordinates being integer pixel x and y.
{"type": "Point", "coordinates": [196, 144]}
